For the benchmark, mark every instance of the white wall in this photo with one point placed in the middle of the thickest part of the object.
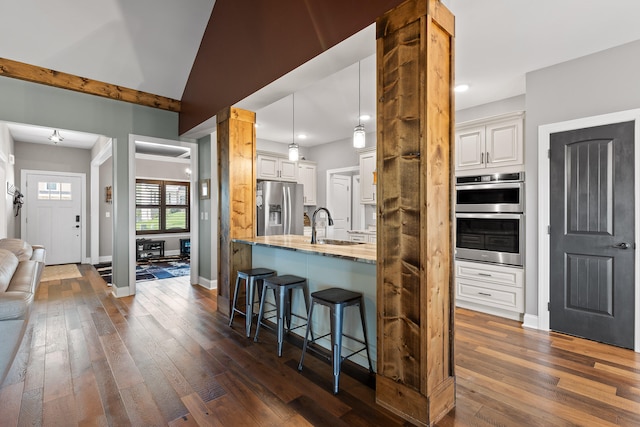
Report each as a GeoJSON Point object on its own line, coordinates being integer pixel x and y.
{"type": "Point", "coordinates": [601, 83]}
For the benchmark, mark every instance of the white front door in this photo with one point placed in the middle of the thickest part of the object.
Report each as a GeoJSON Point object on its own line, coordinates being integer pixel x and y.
{"type": "Point", "coordinates": [53, 211]}
{"type": "Point", "coordinates": [340, 205]}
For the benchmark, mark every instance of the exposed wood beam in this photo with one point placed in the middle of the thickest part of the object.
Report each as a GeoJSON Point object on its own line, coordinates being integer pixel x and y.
{"type": "Point", "coordinates": [45, 76]}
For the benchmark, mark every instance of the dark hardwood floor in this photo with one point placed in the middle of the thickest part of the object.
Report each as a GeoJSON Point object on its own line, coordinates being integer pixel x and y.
{"type": "Point", "coordinates": [166, 357]}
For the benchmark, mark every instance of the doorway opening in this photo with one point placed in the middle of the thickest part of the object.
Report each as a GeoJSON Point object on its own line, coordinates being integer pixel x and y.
{"type": "Point", "coordinates": [343, 201]}
{"type": "Point", "coordinates": [145, 153]}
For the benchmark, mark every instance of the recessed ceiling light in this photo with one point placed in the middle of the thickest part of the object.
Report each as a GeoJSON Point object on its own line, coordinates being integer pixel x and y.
{"type": "Point", "coordinates": [365, 117]}
{"type": "Point", "coordinates": [256, 125]}
{"type": "Point", "coordinates": [461, 88]}
{"type": "Point", "coordinates": [302, 136]}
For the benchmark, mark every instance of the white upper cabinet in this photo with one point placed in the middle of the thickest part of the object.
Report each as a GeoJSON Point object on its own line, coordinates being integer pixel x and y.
{"type": "Point", "coordinates": [307, 176]}
{"type": "Point", "coordinates": [495, 143]}
{"type": "Point", "coordinates": [276, 168]}
{"type": "Point", "coordinates": [367, 169]}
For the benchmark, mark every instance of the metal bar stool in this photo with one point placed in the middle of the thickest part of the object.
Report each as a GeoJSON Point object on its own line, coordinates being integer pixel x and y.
{"type": "Point", "coordinates": [252, 279]}
{"type": "Point", "coordinates": [337, 299]}
{"type": "Point", "coordinates": [282, 287]}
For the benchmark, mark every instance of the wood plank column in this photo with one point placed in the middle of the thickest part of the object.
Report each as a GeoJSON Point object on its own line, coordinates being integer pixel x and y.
{"type": "Point", "coordinates": [237, 182]}
{"type": "Point", "coordinates": [415, 377]}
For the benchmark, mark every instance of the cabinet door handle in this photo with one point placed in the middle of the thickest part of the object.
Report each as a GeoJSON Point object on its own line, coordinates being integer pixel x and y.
{"type": "Point", "coordinates": [481, 158]}
{"type": "Point", "coordinates": [484, 274]}
{"type": "Point", "coordinates": [484, 294]}
{"type": "Point", "coordinates": [488, 158]}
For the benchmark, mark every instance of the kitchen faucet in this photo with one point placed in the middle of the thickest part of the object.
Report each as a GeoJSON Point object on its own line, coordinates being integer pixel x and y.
{"type": "Point", "coordinates": [313, 223]}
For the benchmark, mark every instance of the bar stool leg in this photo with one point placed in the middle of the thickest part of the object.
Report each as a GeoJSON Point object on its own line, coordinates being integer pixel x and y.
{"type": "Point", "coordinates": [249, 295]}
{"type": "Point", "coordinates": [306, 337]}
{"type": "Point", "coordinates": [337, 314]}
{"type": "Point", "coordinates": [260, 313]}
{"type": "Point", "coordinates": [281, 309]}
{"type": "Point", "coordinates": [364, 331]}
{"type": "Point", "coordinates": [235, 300]}
{"type": "Point", "coordinates": [308, 305]}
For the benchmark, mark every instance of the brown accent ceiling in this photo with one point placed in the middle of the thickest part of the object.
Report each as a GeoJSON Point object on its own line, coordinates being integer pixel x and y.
{"type": "Point", "coordinates": [45, 76]}
{"type": "Point", "coordinates": [250, 43]}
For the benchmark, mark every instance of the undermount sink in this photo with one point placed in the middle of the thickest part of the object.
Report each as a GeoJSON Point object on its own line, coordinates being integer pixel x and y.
{"type": "Point", "coordinates": [337, 242]}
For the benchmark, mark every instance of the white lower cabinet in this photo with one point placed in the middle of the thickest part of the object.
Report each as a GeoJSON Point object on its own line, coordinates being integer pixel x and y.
{"type": "Point", "coordinates": [358, 237]}
{"type": "Point", "coordinates": [492, 286]}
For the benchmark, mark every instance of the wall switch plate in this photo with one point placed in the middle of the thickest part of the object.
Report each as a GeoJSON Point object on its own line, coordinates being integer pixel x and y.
{"type": "Point", "coordinates": [107, 214]}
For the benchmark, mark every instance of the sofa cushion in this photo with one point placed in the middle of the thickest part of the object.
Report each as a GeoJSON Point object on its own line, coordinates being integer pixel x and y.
{"type": "Point", "coordinates": [20, 248]}
{"type": "Point", "coordinates": [8, 266]}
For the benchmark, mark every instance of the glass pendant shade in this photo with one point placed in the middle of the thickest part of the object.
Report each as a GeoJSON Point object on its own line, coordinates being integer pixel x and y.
{"type": "Point", "coordinates": [358, 131]}
{"type": "Point", "coordinates": [359, 137]}
{"type": "Point", "coordinates": [293, 152]}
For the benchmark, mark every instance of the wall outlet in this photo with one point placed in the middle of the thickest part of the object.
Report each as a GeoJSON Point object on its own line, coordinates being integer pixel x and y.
{"type": "Point", "coordinates": [107, 214]}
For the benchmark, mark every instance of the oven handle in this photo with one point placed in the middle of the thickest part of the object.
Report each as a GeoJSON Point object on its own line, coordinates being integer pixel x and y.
{"type": "Point", "coordinates": [486, 186]}
{"type": "Point", "coordinates": [490, 215]}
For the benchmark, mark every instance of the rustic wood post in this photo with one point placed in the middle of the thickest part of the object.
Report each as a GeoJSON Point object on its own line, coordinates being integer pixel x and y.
{"type": "Point", "coordinates": [415, 377]}
{"type": "Point", "coordinates": [237, 205]}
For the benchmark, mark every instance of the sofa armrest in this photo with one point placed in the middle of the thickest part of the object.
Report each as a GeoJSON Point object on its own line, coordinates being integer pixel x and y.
{"type": "Point", "coordinates": [15, 305]}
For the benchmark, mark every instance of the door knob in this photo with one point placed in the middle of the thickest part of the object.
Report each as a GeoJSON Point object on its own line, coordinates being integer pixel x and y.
{"type": "Point", "coordinates": [622, 245]}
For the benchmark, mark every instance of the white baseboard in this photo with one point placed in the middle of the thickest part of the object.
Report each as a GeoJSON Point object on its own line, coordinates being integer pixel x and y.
{"type": "Point", "coordinates": [124, 291]}
{"type": "Point", "coordinates": [208, 284]}
{"type": "Point", "coordinates": [530, 321]}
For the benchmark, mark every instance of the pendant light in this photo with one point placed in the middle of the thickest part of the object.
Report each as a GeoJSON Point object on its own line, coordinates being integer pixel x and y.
{"type": "Point", "coordinates": [358, 131]}
{"type": "Point", "coordinates": [55, 137]}
{"type": "Point", "coordinates": [293, 147]}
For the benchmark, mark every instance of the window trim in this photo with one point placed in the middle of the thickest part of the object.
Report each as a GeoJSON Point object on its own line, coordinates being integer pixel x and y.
{"type": "Point", "coordinates": [163, 206]}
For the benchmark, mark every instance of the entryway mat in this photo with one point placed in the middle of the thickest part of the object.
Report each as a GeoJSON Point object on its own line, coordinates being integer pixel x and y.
{"type": "Point", "coordinates": [59, 272]}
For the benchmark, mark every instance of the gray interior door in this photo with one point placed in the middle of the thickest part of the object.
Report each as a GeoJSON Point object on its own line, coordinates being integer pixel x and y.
{"type": "Point", "coordinates": [592, 233]}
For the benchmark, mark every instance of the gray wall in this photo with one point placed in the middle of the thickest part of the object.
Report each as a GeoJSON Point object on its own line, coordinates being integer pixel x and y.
{"type": "Point", "coordinates": [597, 84]}
{"type": "Point", "coordinates": [508, 105]}
{"type": "Point", "coordinates": [25, 102]}
{"type": "Point", "coordinates": [58, 159]}
{"type": "Point", "coordinates": [208, 232]}
{"type": "Point", "coordinates": [335, 155]}
{"type": "Point", "coordinates": [106, 223]}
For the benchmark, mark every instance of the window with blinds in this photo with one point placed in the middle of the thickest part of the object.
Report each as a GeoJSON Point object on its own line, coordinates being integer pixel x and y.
{"type": "Point", "coordinates": [162, 206]}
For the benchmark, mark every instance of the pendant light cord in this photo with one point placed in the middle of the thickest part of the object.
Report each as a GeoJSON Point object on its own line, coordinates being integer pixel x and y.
{"type": "Point", "coordinates": [359, 93]}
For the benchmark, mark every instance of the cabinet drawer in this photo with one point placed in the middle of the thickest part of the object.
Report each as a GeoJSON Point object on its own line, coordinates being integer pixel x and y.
{"type": "Point", "coordinates": [497, 296]}
{"type": "Point", "coordinates": [358, 238]}
{"type": "Point", "coordinates": [507, 276]}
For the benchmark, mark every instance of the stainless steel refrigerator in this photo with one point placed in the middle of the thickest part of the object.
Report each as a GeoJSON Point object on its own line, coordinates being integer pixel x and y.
{"type": "Point", "coordinates": [280, 208]}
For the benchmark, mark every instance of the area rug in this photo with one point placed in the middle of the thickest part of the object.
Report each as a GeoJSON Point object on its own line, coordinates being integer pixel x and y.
{"type": "Point", "coordinates": [59, 272]}
{"type": "Point", "coordinates": [151, 270]}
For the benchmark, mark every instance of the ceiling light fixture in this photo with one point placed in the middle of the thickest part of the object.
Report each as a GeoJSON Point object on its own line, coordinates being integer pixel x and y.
{"type": "Point", "coordinates": [461, 88]}
{"type": "Point", "coordinates": [55, 137]}
{"type": "Point", "coordinates": [293, 147]}
{"type": "Point", "coordinates": [358, 131]}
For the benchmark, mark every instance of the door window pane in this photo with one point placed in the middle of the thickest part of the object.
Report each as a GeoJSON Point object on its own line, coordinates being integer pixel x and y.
{"type": "Point", "coordinates": [54, 191]}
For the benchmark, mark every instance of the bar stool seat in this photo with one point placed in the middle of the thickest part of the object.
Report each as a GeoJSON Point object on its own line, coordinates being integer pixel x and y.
{"type": "Point", "coordinates": [282, 287]}
{"type": "Point", "coordinates": [337, 299]}
{"type": "Point", "coordinates": [252, 279]}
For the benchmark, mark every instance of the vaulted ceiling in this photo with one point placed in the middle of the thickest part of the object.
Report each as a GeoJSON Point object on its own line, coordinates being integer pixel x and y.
{"type": "Point", "coordinates": [152, 46]}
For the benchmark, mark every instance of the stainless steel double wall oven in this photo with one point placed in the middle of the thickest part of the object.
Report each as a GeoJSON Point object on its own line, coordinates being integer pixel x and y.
{"type": "Point", "coordinates": [490, 218]}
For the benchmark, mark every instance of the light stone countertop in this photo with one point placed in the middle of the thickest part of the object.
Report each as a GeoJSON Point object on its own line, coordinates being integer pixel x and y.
{"type": "Point", "coordinates": [364, 252]}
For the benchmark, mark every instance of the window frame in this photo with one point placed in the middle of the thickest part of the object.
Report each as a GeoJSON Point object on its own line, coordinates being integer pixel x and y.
{"type": "Point", "coordinates": [163, 206]}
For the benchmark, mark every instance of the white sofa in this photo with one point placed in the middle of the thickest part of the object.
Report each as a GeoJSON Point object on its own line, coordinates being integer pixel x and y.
{"type": "Point", "coordinates": [21, 268]}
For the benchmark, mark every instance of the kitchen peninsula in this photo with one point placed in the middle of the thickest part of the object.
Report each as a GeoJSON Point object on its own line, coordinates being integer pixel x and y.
{"type": "Point", "coordinates": [324, 266]}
